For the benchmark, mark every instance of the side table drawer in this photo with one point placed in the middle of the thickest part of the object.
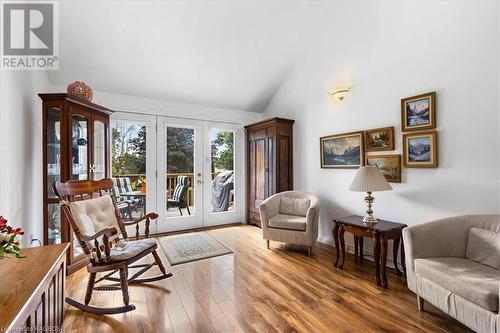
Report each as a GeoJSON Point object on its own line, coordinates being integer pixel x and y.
{"type": "Point", "coordinates": [359, 232]}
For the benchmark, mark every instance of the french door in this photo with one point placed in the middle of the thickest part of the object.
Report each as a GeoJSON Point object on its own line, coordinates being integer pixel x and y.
{"type": "Point", "coordinates": [189, 171]}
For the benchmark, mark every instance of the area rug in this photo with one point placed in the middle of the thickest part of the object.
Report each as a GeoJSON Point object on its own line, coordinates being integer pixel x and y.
{"type": "Point", "coordinates": [184, 248]}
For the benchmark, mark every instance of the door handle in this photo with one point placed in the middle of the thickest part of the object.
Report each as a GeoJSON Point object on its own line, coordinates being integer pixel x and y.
{"type": "Point", "coordinates": [199, 181]}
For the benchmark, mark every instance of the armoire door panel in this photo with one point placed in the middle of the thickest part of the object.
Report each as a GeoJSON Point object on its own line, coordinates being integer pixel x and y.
{"type": "Point", "coordinates": [260, 170]}
{"type": "Point", "coordinates": [284, 163]}
{"type": "Point", "coordinates": [251, 174]}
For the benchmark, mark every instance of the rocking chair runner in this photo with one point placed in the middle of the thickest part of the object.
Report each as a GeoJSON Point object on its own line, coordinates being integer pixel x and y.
{"type": "Point", "coordinates": [95, 218]}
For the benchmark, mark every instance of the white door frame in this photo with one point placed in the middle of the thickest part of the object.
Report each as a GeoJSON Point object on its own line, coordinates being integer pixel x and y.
{"type": "Point", "coordinates": [150, 122]}
{"type": "Point", "coordinates": [236, 216]}
{"type": "Point", "coordinates": [196, 218]}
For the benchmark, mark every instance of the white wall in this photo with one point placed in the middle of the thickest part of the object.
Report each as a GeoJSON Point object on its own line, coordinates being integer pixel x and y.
{"type": "Point", "coordinates": [21, 196]}
{"type": "Point", "coordinates": [388, 51]}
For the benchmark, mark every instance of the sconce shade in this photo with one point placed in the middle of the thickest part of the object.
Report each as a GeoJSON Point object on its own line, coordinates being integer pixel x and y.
{"type": "Point", "coordinates": [369, 179]}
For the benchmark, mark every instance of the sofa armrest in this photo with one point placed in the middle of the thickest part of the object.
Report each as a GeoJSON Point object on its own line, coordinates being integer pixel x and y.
{"type": "Point", "coordinates": [440, 238]}
{"type": "Point", "coordinates": [269, 208]}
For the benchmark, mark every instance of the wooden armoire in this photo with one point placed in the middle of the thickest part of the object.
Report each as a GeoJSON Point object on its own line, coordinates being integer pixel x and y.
{"type": "Point", "coordinates": [270, 162]}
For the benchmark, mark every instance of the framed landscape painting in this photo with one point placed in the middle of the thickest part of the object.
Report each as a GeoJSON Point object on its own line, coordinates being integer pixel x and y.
{"type": "Point", "coordinates": [379, 139]}
{"type": "Point", "coordinates": [342, 150]}
{"type": "Point", "coordinates": [420, 150]}
{"type": "Point", "coordinates": [390, 165]}
{"type": "Point", "coordinates": [418, 112]}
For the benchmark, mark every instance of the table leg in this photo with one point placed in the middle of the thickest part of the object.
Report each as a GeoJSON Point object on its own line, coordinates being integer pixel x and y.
{"type": "Point", "coordinates": [335, 233]}
{"type": "Point", "coordinates": [383, 258]}
{"type": "Point", "coordinates": [403, 258]}
{"type": "Point", "coordinates": [361, 241]}
{"type": "Point", "coordinates": [342, 245]}
{"type": "Point", "coordinates": [376, 256]}
{"type": "Point", "coordinates": [356, 253]}
{"type": "Point", "coordinates": [395, 248]}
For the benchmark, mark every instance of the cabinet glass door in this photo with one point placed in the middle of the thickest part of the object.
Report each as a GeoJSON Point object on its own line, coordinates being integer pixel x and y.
{"type": "Point", "coordinates": [53, 158]}
{"type": "Point", "coordinates": [98, 167]}
{"type": "Point", "coordinates": [79, 147]}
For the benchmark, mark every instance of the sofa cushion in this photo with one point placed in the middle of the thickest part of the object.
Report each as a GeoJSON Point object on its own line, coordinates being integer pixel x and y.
{"type": "Point", "coordinates": [471, 280]}
{"type": "Point", "coordinates": [294, 206]}
{"type": "Point", "coordinates": [126, 249]}
{"type": "Point", "coordinates": [290, 222]}
{"type": "Point", "coordinates": [483, 246]}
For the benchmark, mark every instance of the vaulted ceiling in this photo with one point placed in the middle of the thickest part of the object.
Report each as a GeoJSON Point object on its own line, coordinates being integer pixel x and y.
{"type": "Point", "coordinates": [231, 54]}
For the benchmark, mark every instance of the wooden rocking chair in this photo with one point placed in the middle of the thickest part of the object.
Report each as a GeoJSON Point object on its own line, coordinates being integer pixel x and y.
{"type": "Point", "coordinates": [91, 210]}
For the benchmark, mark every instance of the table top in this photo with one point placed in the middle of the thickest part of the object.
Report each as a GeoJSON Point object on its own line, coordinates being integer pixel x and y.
{"type": "Point", "coordinates": [22, 276]}
{"type": "Point", "coordinates": [381, 225]}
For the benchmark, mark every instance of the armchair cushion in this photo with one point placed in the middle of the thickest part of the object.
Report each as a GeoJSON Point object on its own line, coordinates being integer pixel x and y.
{"type": "Point", "coordinates": [471, 280]}
{"type": "Point", "coordinates": [126, 249]}
{"type": "Point", "coordinates": [294, 206]}
{"type": "Point", "coordinates": [94, 215]}
{"type": "Point", "coordinates": [483, 246]}
{"type": "Point", "coordinates": [289, 222]}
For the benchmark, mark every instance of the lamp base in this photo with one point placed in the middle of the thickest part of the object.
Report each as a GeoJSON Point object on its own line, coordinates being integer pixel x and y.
{"type": "Point", "coordinates": [369, 219]}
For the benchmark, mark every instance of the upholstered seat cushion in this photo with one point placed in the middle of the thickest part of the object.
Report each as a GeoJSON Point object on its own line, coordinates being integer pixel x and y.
{"type": "Point", "coordinates": [126, 249]}
{"type": "Point", "coordinates": [471, 280]}
{"type": "Point", "coordinates": [290, 222]}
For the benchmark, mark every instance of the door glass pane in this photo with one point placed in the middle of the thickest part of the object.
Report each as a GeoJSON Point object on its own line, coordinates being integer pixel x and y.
{"type": "Point", "coordinates": [99, 150]}
{"type": "Point", "coordinates": [128, 167]}
{"type": "Point", "coordinates": [222, 162]}
{"type": "Point", "coordinates": [53, 149]}
{"type": "Point", "coordinates": [180, 172]}
{"type": "Point", "coordinates": [79, 147]}
{"type": "Point", "coordinates": [54, 224]}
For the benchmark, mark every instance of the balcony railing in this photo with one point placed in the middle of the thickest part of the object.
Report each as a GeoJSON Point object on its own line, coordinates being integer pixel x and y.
{"type": "Point", "coordinates": [171, 183]}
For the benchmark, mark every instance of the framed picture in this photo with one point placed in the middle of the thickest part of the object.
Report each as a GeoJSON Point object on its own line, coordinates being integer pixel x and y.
{"type": "Point", "coordinates": [420, 150]}
{"type": "Point", "coordinates": [390, 165]}
{"type": "Point", "coordinates": [379, 139]}
{"type": "Point", "coordinates": [342, 150]}
{"type": "Point", "coordinates": [418, 112]}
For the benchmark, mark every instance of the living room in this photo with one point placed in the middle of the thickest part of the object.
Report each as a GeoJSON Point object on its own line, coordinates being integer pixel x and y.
{"type": "Point", "coordinates": [250, 166]}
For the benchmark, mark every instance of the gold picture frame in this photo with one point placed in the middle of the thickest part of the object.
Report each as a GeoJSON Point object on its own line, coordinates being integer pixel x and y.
{"type": "Point", "coordinates": [342, 151]}
{"type": "Point", "coordinates": [389, 165]}
{"type": "Point", "coordinates": [420, 150]}
{"type": "Point", "coordinates": [379, 139]}
{"type": "Point", "coordinates": [418, 112]}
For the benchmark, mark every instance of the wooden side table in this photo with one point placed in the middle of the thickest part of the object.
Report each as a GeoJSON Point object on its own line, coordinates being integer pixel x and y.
{"type": "Point", "coordinates": [380, 232]}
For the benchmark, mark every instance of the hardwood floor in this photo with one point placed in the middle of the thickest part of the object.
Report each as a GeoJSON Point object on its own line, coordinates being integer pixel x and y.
{"type": "Point", "coordinates": [260, 290]}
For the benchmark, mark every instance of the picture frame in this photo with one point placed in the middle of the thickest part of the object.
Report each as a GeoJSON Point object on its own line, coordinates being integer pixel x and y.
{"type": "Point", "coordinates": [418, 112]}
{"type": "Point", "coordinates": [342, 151]}
{"type": "Point", "coordinates": [379, 139]}
{"type": "Point", "coordinates": [389, 165]}
{"type": "Point", "coordinates": [420, 150]}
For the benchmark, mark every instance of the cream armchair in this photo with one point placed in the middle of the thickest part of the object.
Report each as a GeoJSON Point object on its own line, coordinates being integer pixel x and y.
{"type": "Point", "coordinates": [449, 267]}
{"type": "Point", "coordinates": [290, 217]}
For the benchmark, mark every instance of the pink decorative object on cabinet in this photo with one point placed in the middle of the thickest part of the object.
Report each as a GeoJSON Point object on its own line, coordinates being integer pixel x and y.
{"type": "Point", "coordinates": [81, 90]}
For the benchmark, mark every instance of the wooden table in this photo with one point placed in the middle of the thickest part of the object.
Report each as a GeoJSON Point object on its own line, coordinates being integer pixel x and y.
{"type": "Point", "coordinates": [32, 290]}
{"type": "Point", "coordinates": [380, 232]}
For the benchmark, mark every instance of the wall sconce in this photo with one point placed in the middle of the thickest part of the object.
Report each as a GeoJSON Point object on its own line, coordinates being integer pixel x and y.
{"type": "Point", "coordinates": [339, 93]}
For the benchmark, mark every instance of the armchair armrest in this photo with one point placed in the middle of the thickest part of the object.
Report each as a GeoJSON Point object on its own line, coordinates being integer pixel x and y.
{"type": "Point", "coordinates": [147, 218]}
{"type": "Point", "coordinates": [109, 232]}
{"type": "Point", "coordinates": [269, 208]}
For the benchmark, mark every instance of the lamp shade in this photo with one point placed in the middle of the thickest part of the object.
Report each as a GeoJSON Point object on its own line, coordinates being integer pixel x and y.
{"type": "Point", "coordinates": [369, 179]}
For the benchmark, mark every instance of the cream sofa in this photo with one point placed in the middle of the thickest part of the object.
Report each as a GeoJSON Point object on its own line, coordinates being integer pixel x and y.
{"type": "Point", "coordinates": [291, 221]}
{"type": "Point", "coordinates": [440, 269]}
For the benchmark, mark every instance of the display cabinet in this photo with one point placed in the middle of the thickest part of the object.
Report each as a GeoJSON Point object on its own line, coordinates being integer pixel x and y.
{"type": "Point", "coordinates": [76, 146]}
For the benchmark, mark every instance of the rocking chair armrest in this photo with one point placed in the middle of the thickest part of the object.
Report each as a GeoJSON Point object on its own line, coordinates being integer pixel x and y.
{"type": "Point", "coordinates": [109, 232]}
{"type": "Point", "coordinates": [149, 216]}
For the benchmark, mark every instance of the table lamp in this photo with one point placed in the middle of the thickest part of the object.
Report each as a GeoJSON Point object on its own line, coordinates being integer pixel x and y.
{"type": "Point", "coordinates": [369, 179]}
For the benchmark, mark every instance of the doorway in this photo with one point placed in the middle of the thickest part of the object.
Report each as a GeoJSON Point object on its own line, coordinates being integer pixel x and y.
{"type": "Point", "coordinates": [188, 171]}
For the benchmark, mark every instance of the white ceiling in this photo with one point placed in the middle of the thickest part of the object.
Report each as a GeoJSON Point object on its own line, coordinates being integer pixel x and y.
{"type": "Point", "coordinates": [230, 54]}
